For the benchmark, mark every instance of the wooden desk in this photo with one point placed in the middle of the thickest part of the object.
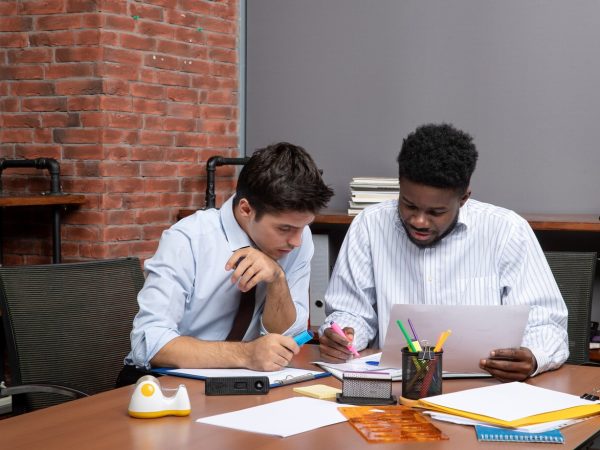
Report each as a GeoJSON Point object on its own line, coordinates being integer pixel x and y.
{"type": "Point", "coordinates": [101, 421]}
{"type": "Point", "coordinates": [53, 200]}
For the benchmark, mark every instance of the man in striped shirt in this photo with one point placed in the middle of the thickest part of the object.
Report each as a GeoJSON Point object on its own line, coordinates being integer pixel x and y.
{"type": "Point", "coordinates": [435, 245]}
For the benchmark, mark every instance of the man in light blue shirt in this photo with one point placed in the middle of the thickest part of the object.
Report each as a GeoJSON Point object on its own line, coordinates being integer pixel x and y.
{"type": "Point", "coordinates": [258, 239]}
{"type": "Point", "coordinates": [435, 245]}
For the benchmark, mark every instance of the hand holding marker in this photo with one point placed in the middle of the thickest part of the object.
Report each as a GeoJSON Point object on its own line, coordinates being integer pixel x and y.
{"type": "Point", "coordinates": [336, 328]}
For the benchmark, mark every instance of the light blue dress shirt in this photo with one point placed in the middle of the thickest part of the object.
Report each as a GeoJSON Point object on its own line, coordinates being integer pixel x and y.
{"type": "Point", "coordinates": [492, 257]}
{"type": "Point", "coordinates": [188, 292]}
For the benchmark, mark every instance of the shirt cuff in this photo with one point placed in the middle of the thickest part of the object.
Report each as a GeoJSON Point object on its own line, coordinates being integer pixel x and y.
{"type": "Point", "coordinates": [543, 362]}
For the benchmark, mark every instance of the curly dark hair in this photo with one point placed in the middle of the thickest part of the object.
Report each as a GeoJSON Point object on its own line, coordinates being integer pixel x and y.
{"type": "Point", "coordinates": [438, 155]}
{"type": "Point", "coordinates": [282, 177]}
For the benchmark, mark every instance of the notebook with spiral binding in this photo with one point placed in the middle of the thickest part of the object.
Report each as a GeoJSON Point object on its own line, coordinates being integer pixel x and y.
{"type": "Point", "coordinates": [485, 433]}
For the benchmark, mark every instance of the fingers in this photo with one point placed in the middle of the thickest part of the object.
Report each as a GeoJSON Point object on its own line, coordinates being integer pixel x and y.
{"type": "Point", "coordinates": [250, 266]}
{"type": "Point", "coordinates": [510, 364]}
{"type": "Point", "coordinates": [333, 347]}
{"type": "Point", "coordinates": [271, 352]}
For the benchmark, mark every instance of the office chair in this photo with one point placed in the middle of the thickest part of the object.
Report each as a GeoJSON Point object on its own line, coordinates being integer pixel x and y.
{"type": "Point", "coordinates": [67, 328]}
{"type": "Point", "coordinates": [574, 273]}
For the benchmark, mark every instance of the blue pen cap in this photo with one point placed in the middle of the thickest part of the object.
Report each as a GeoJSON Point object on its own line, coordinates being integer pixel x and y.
{"type": "Point", "coordinates": [303, 337]}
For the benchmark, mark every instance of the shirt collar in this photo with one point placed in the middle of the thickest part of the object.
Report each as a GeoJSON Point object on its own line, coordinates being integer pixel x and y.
{"type": "Point", "coordinates": [464, 217]}
{"type": "Point", "coordinates": [234, 233]}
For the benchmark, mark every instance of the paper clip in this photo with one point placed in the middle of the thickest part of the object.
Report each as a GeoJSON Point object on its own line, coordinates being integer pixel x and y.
{"type": "Point", "coordinates": [427, 354]}
{"type": "Point", "coordinates": [593, 396]}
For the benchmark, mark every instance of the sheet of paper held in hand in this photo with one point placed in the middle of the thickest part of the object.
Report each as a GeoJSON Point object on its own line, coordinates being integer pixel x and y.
{"type": "Point", "coordinates": [476, 330]}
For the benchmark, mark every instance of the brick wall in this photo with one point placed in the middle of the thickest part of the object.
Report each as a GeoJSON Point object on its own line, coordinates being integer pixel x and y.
{"type": "Point", "coordinates": [132, 98]}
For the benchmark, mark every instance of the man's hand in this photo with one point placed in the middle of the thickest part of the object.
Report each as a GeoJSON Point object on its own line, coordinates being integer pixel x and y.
{"type": "Point", "coordinates": [251, 266]}
{"type": "Point", "coordinates": [510, 364]}
{"type": "Point", "coordinates": [334, 348]}
{"type": "Point", "coordinates": [270, 352]}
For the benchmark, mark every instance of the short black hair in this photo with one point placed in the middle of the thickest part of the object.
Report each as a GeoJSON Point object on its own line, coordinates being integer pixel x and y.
{"type": "Point", "coordinates": [282, 177]}
{"type": "Point", "coordinates": [438, 155]}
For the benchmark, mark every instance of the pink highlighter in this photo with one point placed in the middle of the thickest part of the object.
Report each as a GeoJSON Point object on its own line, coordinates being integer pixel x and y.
{"type": "Point", "coordinates": [336, 328]}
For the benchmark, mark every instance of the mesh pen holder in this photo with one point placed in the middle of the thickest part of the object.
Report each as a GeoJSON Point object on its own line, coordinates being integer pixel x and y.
{"type": "Point", "coordinates": [421, 373]}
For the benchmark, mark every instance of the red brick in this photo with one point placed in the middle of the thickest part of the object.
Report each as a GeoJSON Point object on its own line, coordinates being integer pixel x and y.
{"type": "Point", "coordinates": [37, 88]}
{"type": "Point", "coordinates": [8, 9]}
{"type": "Point", "coordinates": [30, 55]}
{"type": "Point", "coordinates": [182, 94]}
{"type": "Point", "coordinates": [119, 120]}
{"type": "Point", "coordinates": [94, 250]}
{"type": "Point", "coordinates": [42, 135]}
{"type": "Point", "coordinates": [58, 22]}
{"type": "Point", "coordinates": [119, 169]}
{"type": "Point", "coordinates": [44, 104]}
{"type": "Point", "coordinates": [179, 124]}
{"type": "Point", "coordinates": [14, 40]}
{"type": "Point", "coordinates": [117, 153]}
{"type": "Point", "coordinates": [191, 140]}
{"type": "Point", "coordinates": [196, 66]}
{"type": "Point", "coordinates": [190, 170]}
{"type": "Point", "coordinates": [146, 106]}
{"type": "Point", "coordinates": [30, 7]}
{"type": "Point", "coordinates": [154, 122]}
{"type": "Point", "coordinates": [109, 38]}
{"type": "Point", "coordinates": [182, 110]}
{"type": "Point", "coordinates": [145, 200]}
{"type": "Point", "coordinates": [15, 24]}
{"type": "Point", "coordinates": [179, 17]}
{"type": "Point", "coordinates": [196, 6]}
{"type": "Point", "coordinates": [79, 87]}
{"type": "Point", "coordinates": [114, 6]}
{"type": "Point", "coordinates": [173, 78]}
{"type": "Point", "coordinates": [216, 112]}
{"type": "Point", "coordinates": [205, 82]}
{"type": "Point", "coordinates": [83, 185]}
{"type": "Point", "coordinates": [143, 248]}
{"type": "Point", "coordinates": [77, 54]}
{"type": "Point", "coordinates": [87, 168]}
{"type": "Point", "coordinates": [120, 217]}
{"type": "Point", "coordinates": [157, 30]}
{"type": "Point", "coordinates": [175, 48]}
{"type": "Point", "coordinates": [150, 169]}
{"type": "Point", "coordinates": [155, 138]}
{"type": "Point", "coordinates": [223, 55]}
{"type": "Point", "coordinates": [115, 70]}
{"type": "Point", "coordinates": [181, 154]}
{"type": "Point", "coordinates": [147, 153]}
{"type": "Point", "coordinates": [161, 185]}
{"type": "Point", "coordinates": [20, 120]}
{"type": "Point", "coordinates": [109, 103]}
{"type": "Point", "coordinates": [76, 136]}
{"type": "Point", "coordinates": [110, 136]}
{"type": "Point", "coordinates": [92, 119]}
{"type": "Point", "coordinates": [224, 70]}
{"type": "Point", "coordinates": [125, 185]}
{"type": "Point", "coordinates": [69, 70]}
{"type": "Point", "coordinates": [60, 120]}
{"type": "Point", "coordinates": [147, 91]}
{"type": "Point", "coordinates": [122, 56]}
{"type": "Point", "coordinates": [153, 231]}
{"type": "Point", "coordinates": [92, 20]}
{"type": "Point", "coordinates": [81, 233]}
{"type": "Point", "coordinates": [119, 22]}
{"type": "Point", "coordinates": [170, 4]}
{"type": "Point", "coordinates": [16, 135]}
{"type": "Point", "coordinates": [87, 37]}
{"type": "Point", "coordinates": [10, 104]}
{"type": "Point", "coordinates": [30, 151]}
{"type": "Point", "coordinates": [75, 6]}
{"type": "Point", "coordinates": [162, 62]}
{"type": "Point", "coordinates": [119, 249]}
{"type": "Point", "coordinates": [116, 87]}
{"type": "Point", "coordinates": [138, 42]}
{"type": "Point", "coordinates": [55, 38]}
{"type": "Point", "coordinates": [220, 40]}
{"type": "Point", "coordinates": [86, 217]}
{"type": "Point", "coordinates": [146, 12]}
{"type": "Point", "coordinates": [83, 152]}
{"type": "Point", "coordinates": [147, 216]}
{"type": "Point", "coordinates": [21, 72]}
{"type": "Point", "coordinates": [84, 103]}
{"type": "Point", "coordinates": [222, 97]}
{"type": "Point", "coordinates": [111, 201]}
{"type": "Point", "coordinates": [177, 199]}
{"type": "Point", "coordinates": [215, 140]}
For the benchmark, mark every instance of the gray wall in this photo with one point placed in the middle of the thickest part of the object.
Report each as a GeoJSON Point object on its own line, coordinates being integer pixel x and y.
{"type": "Point", "coordinates": [348, 79]}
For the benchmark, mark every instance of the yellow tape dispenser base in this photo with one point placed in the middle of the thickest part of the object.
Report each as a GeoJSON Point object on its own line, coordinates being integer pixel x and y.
{"type": "Point", "coordinates": [149, 402]}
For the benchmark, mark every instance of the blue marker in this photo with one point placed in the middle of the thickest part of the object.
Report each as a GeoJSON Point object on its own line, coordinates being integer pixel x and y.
{"type": "Point", "coordinates": [303, 337]}
{"type": "Point", "coordinates": [373, 363]}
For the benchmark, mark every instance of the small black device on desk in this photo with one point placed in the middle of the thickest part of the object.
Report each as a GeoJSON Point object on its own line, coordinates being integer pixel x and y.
{"type": "Point", "coordinates": [236, 385]}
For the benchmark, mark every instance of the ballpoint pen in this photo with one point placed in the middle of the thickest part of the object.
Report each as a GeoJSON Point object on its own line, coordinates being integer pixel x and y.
{"type": "Point", "coordinates": [336, 328]}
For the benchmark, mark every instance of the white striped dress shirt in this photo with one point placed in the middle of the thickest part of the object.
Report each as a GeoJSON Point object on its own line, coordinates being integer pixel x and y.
{"type": "Point", "coordinates": [491, 257]}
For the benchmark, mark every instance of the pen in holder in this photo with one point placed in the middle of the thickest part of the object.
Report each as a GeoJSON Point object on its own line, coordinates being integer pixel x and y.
{"type": "Point", "coordinates": [421, 373]}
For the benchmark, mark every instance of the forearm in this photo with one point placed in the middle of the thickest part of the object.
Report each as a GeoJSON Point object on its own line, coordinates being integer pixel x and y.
{"type": "Point", "coordinates": [191, 353]}
{"type": "Point", "coordinates": [279, 313]}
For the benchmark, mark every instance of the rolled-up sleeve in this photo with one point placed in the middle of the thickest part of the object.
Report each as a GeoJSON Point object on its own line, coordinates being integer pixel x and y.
{"type": "Point", "coordinates": [169, 283]}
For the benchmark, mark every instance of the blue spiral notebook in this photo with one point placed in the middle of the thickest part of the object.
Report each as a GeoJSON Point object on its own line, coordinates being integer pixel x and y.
{"type": "Point", "coordinates": [485, 433]}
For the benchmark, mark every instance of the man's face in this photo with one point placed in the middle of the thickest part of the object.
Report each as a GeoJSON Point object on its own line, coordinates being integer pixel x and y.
{"type": "Point", "coordinates": [428, 213]}
{"type": "Point", "coordinates": [277, 234]}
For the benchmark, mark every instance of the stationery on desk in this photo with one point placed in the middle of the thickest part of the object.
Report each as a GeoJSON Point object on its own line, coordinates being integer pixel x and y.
{"type": "Point", "coordinates": [278, 378]}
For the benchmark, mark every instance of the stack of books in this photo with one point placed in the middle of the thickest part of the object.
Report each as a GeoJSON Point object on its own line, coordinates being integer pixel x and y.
{"type": "Point", "coordinates": [366, 191]}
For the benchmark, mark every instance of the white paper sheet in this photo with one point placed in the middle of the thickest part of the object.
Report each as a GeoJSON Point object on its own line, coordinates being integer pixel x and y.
{"type": "Point", "coordinates": [508, 401]}
{"type": "Point", "coordinates": [283, 418]}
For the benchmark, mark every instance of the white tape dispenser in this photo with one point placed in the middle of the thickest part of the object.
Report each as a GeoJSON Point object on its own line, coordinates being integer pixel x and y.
{"type": "Point", "coordinates": [148, 400]}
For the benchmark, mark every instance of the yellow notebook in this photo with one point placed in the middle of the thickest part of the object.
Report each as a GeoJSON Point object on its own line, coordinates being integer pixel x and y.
{"type": "Point", "coordinates": [512, 405]}
{"type": "Point", "coordinates": [320, 391]}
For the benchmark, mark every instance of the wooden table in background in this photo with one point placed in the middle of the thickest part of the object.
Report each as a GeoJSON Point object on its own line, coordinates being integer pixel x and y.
{"type": "Point", "coordinates": [101, 421]}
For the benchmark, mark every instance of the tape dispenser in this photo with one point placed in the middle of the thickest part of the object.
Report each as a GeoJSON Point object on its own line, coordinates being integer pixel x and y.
{"type": "Point", "coordinates": [149, 401]}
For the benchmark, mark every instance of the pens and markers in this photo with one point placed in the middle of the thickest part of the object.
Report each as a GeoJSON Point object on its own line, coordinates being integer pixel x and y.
{"type": "Point", "coordinates": [303, 337]}
{"type": "Point", "coordinates": [336, 328]}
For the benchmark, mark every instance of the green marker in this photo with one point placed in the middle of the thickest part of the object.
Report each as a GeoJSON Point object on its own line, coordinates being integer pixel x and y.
{"type": "Point", "coordinates": [407, 337]}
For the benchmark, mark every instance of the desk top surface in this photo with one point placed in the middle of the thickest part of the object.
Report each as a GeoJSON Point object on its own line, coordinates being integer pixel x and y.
{"type": "Point", "coordinates": [101, 421]}
{"type": "Point", "coordinates": [41, 200]}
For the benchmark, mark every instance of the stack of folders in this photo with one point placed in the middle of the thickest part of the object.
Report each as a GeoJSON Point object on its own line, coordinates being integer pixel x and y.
{"type": "Point", "coordinates": [517, 412]}
{"type": "Point", "coordinates": [366, 191]}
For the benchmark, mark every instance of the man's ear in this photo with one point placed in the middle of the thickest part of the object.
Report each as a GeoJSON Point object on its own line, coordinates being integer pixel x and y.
{"type": "Point", "coordinates": [245, 208]}
{"type": "Point", "coordinates": [465, 196]}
